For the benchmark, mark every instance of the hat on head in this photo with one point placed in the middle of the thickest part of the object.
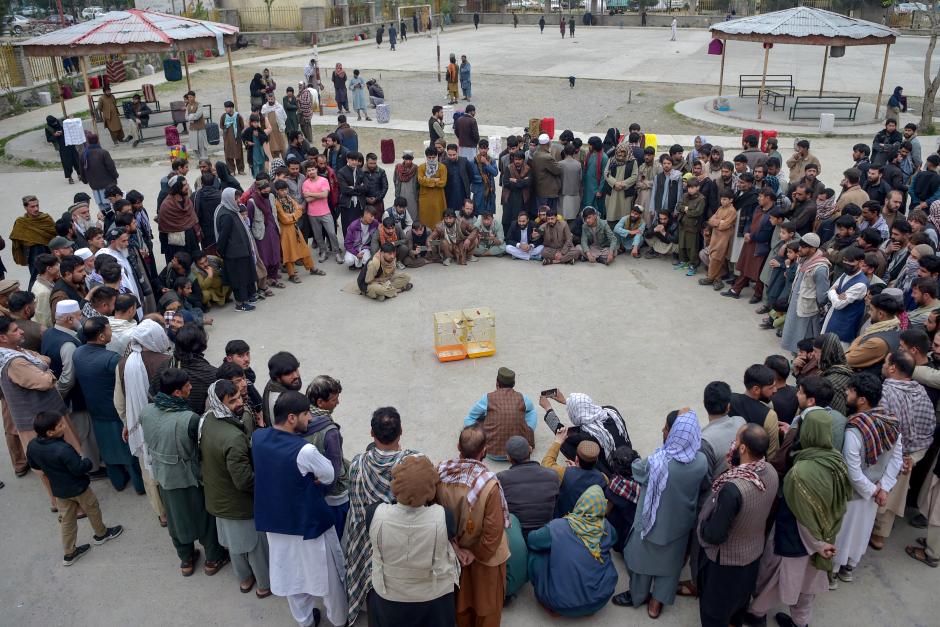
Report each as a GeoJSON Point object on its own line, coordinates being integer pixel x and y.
{"type": "Point", "coordinates": [78, 205]}
{"type": "Point", "coordinates": [810, 239]}
{"type": "Point", "coordinates": [544, 139]}
{"type": "Point", "coordinates": [894, 293]}
{"type": "Point", "coordinates": [414, 481]}
{"type": "Point", "coordinates": [8, 286]}
{"type": "Point", "coordinates": [84, 254]}
{"type": "Point", "coordinates": [112, 234]}
{"type": "Point", "coordinates": [588, 450]}
{"type": "Point", "coordinates": [505, 376]}
{"type": "Point", "coordinates": [60, 242]}
{"type": "Point", "coordinates": [518, 449]}
{"type": "Point", "coordinates": [66, 307]}
{"type": "Point", "coordinates": [81, 197]}
{"type": "Point", "coordinates": [924, 249]}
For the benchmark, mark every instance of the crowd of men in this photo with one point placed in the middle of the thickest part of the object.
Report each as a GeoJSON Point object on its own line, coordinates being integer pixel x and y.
{"type": "Point", "coordinates": [772, 503]}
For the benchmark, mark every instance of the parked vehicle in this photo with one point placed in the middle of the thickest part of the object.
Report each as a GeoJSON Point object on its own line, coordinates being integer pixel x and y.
{"type": "Point", "coordinates": [90, 13]}
{"type": "Point", "coordinates": [16, 24]}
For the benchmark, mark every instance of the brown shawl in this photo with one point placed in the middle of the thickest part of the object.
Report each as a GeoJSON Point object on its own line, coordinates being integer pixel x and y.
{"type": "Point", "coordinates": [487, 179]}
{"type": "Point", "coordinates": [176, 215]}
{"type": "Point", "coordinates": [513, 173]}
{"type": "Point", "coordinates": [30, 231]}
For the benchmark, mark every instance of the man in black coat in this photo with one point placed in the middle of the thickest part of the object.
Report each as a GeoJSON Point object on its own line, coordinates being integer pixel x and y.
{"type": "Point", "coordinates": [884, 141]}
{"type": "Point", "coordinates": [234, 246]}
{"type": "Point", "coordinates": [376, 184]}
{"type": "Point", "coordinates": [352, 189]}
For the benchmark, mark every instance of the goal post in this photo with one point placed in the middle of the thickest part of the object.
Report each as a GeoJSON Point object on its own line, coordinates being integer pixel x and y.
{"type": "Point", "coordinates": [423, 12]}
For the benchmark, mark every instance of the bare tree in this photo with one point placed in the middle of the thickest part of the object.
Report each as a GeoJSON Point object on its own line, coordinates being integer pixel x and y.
{"type": "Point", "coordinates": [931, 76]}
{"type": "Point", "coordinates": [267, 4]}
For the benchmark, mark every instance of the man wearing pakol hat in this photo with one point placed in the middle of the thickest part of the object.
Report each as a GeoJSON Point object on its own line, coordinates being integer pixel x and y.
{"type": "Point", "coordinates": [577, 478]}
{"type": "Point", "coordinates": [546, 174]}
{"type": "Point", "coordinates": [58, 344]}
{"type": "Point", "coordinates": [7, 287]}
{"type": "Point", "coordinates": [809, 293]}
{"type": "Point", "coordinates": [412, 525]}
{"type": "Point", "coordinates": [869, 350]}
{"type": "Point", "coordinates": [503, 413]}
{"type": "Point", "coordinates": [30, 235]}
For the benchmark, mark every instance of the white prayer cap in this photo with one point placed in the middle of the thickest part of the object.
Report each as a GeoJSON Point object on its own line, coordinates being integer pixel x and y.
{"type": "Point", "coordinates": [66, 307]}
{"type": "Point", "coordinates": [84, 254]}
{"type": "Point", "coordinates": [543, 139]}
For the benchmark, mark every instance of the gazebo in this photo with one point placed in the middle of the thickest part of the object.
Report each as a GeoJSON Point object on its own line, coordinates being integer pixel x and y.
{"type": "Point", "coordinates": [134, 31]}
{"type": "Point", "coordinates": [806, 26]}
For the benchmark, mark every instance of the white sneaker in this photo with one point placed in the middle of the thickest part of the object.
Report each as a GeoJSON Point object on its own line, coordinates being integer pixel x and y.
{"type": "Point", "coordinates": [446, 261]}
{"type": "Point", "coordinates": [474, 258]}
{"type": "Point", "coordinates": [400, 265]}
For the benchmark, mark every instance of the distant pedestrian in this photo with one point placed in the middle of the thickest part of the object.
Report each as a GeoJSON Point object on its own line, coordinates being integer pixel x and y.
{"type": "Point", "coordinates": [561, 26]}
{"type": "Point", "coordinates": [515, 20]}
{"type": "Point", "coordinates": [476, 21]}
{"type": "Point", "coordinates": [465, 76]}
{"type": "Point", "coordinates": [571, 26]}
{"type": "Point", "coordinates": [414, 23]}
{"type": "Point", "coordinates": [542, 25]}
{"type": "Point", "coordinates": [392, 36]}
{"type": "Point", "coordinates": [404, 31]}
{"type": "Point", "coordinates": [378, 36]}
{"type": "Point", "coordinates": [643, 17]}
{"type": "Point", "coordinates": [675, 28]}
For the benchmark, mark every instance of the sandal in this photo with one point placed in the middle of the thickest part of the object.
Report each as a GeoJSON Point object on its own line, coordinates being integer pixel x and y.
{"type": "Point", "coordinates": [162, 521]}
{"type": "Point", "coordinates": [317, 272]}
{"type": "Point", "coordinates": [188, 566]}
{"type": "Point", "coordinates": [920, 555]}
{"type": "Point", "coordinates": [268, 292]}
{"type": "Point", "coordinates": [246, 589]}
{"type": "Point", "coordinates": [263, 594]}
{"type": "Point", "coordinates": [874, 545]}
{"type": "Point", "coordinates": [295, 279]}
{"type": "Point", "coordinates": [212, 568]}
{"type": "Point", "coordinates": [649, 609]}
{"type": "Point", "coordinates": [278, 284]}
{"type": "Point", "coordinates": [687, 589]}
{"type": "Point", "coordinates": [407, 287]}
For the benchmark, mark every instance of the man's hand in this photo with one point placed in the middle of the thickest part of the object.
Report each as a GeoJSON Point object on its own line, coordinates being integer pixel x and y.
{"type": "Point", "coordinates": [559, 397]}
{"type": "Point", "coordinates": [557, 257]}
{"type": "Point", "coordinates": [799, 362]}
{"type": "Point", "coordinates": [544, 404]}
{"type": "Point", "coordinates": [465, 556]}
{"type": "Point", "coordinates": [881, 497]}
{"type": "Point", "coordinates": [774, 263]}
{"type": "Point", "coordinates": [206, 320]}
{"type": "Point", "coordinates": [828, 551]}
{"type": "Point", "coordinates": [561, 435]}
{"type": "Point", "coordinates": [124, 435]}
{"type": "Point", "coordinates": [906, 466]}
{"type": "Point", "coordinates": [783, 427]}
{"type": "Point", "coordinates": [843, 296]}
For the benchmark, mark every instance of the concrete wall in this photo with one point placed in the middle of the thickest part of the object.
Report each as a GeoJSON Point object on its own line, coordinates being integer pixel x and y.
{"type": "Point", "coordinates": [283, 39]}
{"type": "Point", "coordinates": [629, 19]}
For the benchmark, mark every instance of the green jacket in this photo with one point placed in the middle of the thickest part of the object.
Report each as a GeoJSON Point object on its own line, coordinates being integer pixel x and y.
{"type": "Point", "coordinates": [227, 471]}
{"type": "Point", "coordinates": [598, 235]}
{"type": "Point", "coordinates": [690, 219]}
{"type": "Point", "coordinates": [171, 440]}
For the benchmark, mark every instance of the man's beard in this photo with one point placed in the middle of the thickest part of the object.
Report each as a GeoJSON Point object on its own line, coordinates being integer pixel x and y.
{"type": "Point", "coordinates": [294, 385]}
{"type": "Point", "coordinates": [735, 459]}
{"type": "Point", "coordinates": [82, 224]}
{"type": "Point", "coordinates": [852, 407]}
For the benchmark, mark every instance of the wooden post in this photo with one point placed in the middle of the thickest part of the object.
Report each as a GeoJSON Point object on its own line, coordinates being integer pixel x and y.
{"type": "Point", "coordinates": [83, 61]}
{"type": "Point", "coordinates": [231, 75]}
{"type": "Point", "coordinates": [881, 86]}
{"type": "Point", "coordinates": [721, 76]}
{"type": "Point", "coordinates": [58, 84]}
{"type": "Point", "coordinates": [822, 80]}
{"type": "Point", "coordinates": [185, 54]}
{"type": "Point", "coordinates": [763, 80]}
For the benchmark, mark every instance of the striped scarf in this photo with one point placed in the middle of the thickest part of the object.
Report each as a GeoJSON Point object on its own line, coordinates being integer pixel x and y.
{"type": "Point", "coordinates": [748, 472]}
{"type": "Point", "coordinates": [475, 475]}
{"type": "Point", "coordinates": [879, 432]}
{"type": "Point", "coordinates": [625, 488]}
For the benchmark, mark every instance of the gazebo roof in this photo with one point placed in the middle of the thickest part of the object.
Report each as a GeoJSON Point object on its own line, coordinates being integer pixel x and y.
{"type": "Point", "coordinates": [805, 25]}
{"type": "Point", "coordinates": [130, 31]}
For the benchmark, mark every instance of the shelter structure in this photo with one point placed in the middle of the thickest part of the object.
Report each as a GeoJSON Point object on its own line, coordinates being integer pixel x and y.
{"type": "Point", "coordinates": [133, 31]}
{"type": "Point", "coordinates": [809, 27]}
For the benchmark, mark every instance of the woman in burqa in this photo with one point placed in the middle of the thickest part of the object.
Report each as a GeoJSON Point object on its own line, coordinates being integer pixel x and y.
{"type": "Point", "coordinates": [68, 155]}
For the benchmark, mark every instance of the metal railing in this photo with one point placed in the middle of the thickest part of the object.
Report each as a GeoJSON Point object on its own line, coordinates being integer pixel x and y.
{"type": "Point", "coordinates": [359, 14]}
{"type": "Point", "coordinates": [279, 18]}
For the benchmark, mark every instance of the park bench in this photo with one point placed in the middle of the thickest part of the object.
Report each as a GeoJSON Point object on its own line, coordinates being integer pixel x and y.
{"type": "Point", "coordinates": [749, 84]}
{"type": "Point", "coordinates": [775, 99]}
{"type": "Point", "coordinates": [809, 107]}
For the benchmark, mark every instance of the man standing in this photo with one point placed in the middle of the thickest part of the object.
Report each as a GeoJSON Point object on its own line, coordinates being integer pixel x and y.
{"type": "Point", "coordinates": [457, 189]}
{"type": "Point", "coordinates": [852, 191]}
{"type": "Point", "coordinates": [436, 123]}
{"type": "Point", "coordinates": [465, 77]}
{"type": "Point", "coordinates": [847, 298]}
{"type": "Point", "coordinates": [47, 273]}
{"type": "Point", "coordinates": [870, 349]}
{"type": "Point", "coordinates": [675, 27]}
{"type": "Point", "coordinates": [752, 405]}
{"type": "Point", "coordinates": [872, 454]}
{"type": "Point", "coordinates": [800, 159]}
{"type": "Point", "coordinates": [908, 401]}
{"type": "Point", "coordinates": [503, 413]}
{"type": "Point", "coordinates": [111, 117]}
{"type": "Point", "coordinates": [886, 141]}
{"type": "Point", "coordinates": [722, 427]}
{"type": "Point", "coordinates": [232, 125]}
{"type": "Point", "coordinates": [807, 294]}
{"type": "Point", "coordinates": [546, 175]}
{"type": "Point", "coordinates": [229, 479]}
{"type": "Point", "coordinates": [473, 495]}
{"type": "Point", "coordinates": [171, 432]}
{"type": "Point", "coordinates": [197, 126]}
{"type": "Point", "coordinates": [756, 247]}
{"type": "Point", "coordinates": [284, 373]}
{"type": "Point", "coordinates": [306, 558]}
{"type": "Point", "coordinates": [30, 236]}
{"type": "Point", "coordinates": [276, 118]}
{"type": "Point", "coordinates": [731, 530]}
{"type": "Point", "coordinates": [352, 190]}
{"type": "Point", "coordinates": [467, 132]}
{"type": "Point", "coordinates": [376, 185]}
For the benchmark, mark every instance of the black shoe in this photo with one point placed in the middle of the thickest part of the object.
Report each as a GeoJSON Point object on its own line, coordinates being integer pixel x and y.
{"type": "Point", "coordinates": [99, 474]}
{"type": "Point", "coordinates": [784, 620]}
{"type": "Point", "coordinates": [753, 300]}
{"type": "Point", "coordinates": [760, 311]}
{"type": "Point", "coordinates": [754, 621]}
{"type": "Point", "coordinates": [780, 332]}
{"type": "Point", "coordinates": [728, 277]}
{"type": "Point", "coordinates": [72, 557]}
{"type": "Point", "coordinates": [918, 521]}
{"type": "Point", "coordinates": [731, 294]}
{"type": "Point", "coordinates": [110, 534]}
{"type": "Point", "coordinates": [22, 473]}
{"type": "Point", "coordinates": [624, 599]}
{"type": "Point", "coordinates": [766, 324]}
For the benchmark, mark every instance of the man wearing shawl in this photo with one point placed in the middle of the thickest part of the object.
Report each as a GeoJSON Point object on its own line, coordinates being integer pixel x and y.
{"type": "Point", "coordinates": [620, 179]}
{"type": "Point", "coordinates": [232, 125]}
{"type": "Point", "coordinates": [147, 349]}
{"type": "Point", "coordinates": [590, 421]}
{"type": "Point", "coordinates": [872, 453]}
{"type": "Point", "coordinates": [275, 120]}
{"type": "Point", "coordinates": [833, 368]}
{"type": "Point", "coordinates": [799, 550]}
{"type": "Point", "coordinates": [370, 481]}
{"type": "Point", "coordinates": [229, 478]}
{"type": "Point", "coordinates": [570, 565]}
{"type": "Point", "coordinates": [594, 173]}
{"type": "Point", "coordinates": [666, 512]}
{"type": "Point", "coordinates": [474, 497]}
{"type": "Point", "coordinates": [236, 246]}
{"type": "Point", "coordinates": [307, 101]}
{"type": "Point", "coordinates": [177, 221]}
{"type": "Point", "coordinates": [30, 236]}
{"type": "Point", "coordinates": [731, 528]}
{"type": "Point", "coordinates": [809, 291]}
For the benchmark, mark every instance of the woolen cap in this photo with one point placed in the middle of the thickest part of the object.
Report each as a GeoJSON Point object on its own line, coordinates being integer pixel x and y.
{"type": "Point", "coordinates": [66, 307]}
{"type": "Point", "coordinates": [810, 239]}
{"type": "Point", "coordinates": [506, 377]}
{"type": "Point", "coordinates": [8, 286]}
{"type": "Point", "coordinates": [414, 481]}
{"type": "Point", "coordinates": [517, 448]}
{"type": "Point", "coordinates": [588, 450]}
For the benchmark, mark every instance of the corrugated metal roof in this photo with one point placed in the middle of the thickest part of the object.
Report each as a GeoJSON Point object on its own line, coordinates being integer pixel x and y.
{"type": "Point", "coordinates": [132, 26]}
{"type": "Point", "coordinates": [804, 22]}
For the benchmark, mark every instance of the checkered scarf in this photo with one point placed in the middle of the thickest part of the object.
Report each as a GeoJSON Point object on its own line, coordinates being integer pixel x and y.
{"type": "Point", "coordinates": [590, 417]}
{"type": "Point", "coordinates": [749, 472]}
{"type": "Point", "coordinates": [587, 520]}
{"type": "Point", "coordinates": [474, 474]}
{"type": "Point", "coordinates": [625, 488]}
{"type": "Point", "coordinates": [879, 431]}
{"type": "Point", "coordinates": [682, 444]}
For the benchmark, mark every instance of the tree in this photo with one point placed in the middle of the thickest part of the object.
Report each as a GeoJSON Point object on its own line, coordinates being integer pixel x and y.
{"type": "Point", "coordinates": [931, 76]}
{"type": "Point", "coordinates": [267, 5]}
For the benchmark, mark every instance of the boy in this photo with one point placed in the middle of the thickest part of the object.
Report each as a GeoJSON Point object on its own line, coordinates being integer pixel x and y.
{"type": "Point", "coordinates": [67, 472]}
{"type": "Point", "coordinates": [323, 394]}
{"type": "Point", "coordinates": [719, 245]}
{"type": "Point", "coordinates": [773, 266]}
{"type": "Point", "coordinates": [690, 211]}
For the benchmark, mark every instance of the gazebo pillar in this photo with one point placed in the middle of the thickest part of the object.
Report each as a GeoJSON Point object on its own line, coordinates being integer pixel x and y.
{"type": "Point", "coordinates": [231, 75]}
{"type": "Point", "coordinates": [58, 84]}
{"type": "Point", "coordinates": [822, 80]}
{"type": "Point", "coordinates": [763, 80]}
{"type": "Point", "coordinates": [881, 86]}
{"type": "Point", "coordinates": [185, 55]}
{"type": "Point", "coordinates": [91, 103]}
{"type": "Point", "coordinates": [721, 75]}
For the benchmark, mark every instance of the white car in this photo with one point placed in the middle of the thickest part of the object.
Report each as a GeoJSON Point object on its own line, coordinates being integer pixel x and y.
{"type": "Point", "coordinates": [16, 24]}
{"type": "Point", "coordinates": [90, 13]}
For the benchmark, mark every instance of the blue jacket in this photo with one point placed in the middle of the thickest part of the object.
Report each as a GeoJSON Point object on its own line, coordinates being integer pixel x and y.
{"type": "Point", "coordinates": [95, 370]}
{"type": "Point", "coordinates": [764, 234]}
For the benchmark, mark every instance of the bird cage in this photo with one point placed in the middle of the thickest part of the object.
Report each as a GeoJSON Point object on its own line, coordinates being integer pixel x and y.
{"type": "Point", "coordinates": [480, 332]}
{"type": "Point", "coordinates": [449, 335]}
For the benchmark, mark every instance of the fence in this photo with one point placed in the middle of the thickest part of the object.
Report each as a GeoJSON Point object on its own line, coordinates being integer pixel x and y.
{"type": "Point", "coordinates": [39, 69]}
{"type": "Point", "coordinates": [279, 18]}
{"type": "Point", "coordinates": [359, 14]}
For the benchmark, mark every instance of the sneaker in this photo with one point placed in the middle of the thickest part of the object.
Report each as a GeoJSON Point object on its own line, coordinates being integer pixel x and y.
{"type": "Point", "coordinates": [253, 298]}
{"type": "Point", "coordinates": [833, 582]}
{"type": "Point", "coordinates": [339, 258]}
{"type": "Point", "coordinates": [474, 258]}
{"type": "Point", "coordinates": [446, 261]}
{"type": "Point", "coordinates": [705, 281]}
{"type": "Point", "coordinates": [731, 294]}
{"type": "Point", "coordinates": [72, 557]}
{"type": "Point", "coordinates": [765, 309]}
{"type": "Point", "coordinates": [110, 534]}
{"type": "Point", "coordinates": [845, 574]}
{"type": "Point", "coordinates": [399, 265]}
{"type": "Point", "coordinates": [718, 286]}
{"type": "Point", "coordinates": [245, 307]}
{"type": "Point", "coordinates": [690, 271]}
{"type": "Point", "coordinates": [679, 265]}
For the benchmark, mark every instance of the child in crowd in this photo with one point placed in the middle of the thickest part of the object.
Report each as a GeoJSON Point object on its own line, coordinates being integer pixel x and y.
{"type": "Point", "coordinates": [719, 243]}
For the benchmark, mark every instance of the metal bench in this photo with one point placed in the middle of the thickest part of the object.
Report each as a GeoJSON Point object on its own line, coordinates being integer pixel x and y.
{"type": "Point", "coordinates": [164, 117]}
{"type": "Point", "coordinates": [775, 99]}
{"type": "Point", "coordinates": [749, 84]}
{"type": "Point", "coordinates": [842, 107]}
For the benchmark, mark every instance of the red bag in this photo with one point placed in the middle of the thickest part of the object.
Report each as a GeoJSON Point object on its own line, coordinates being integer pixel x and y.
{"type": "Point", "coordinates": [764, 136]}
{"type": "Point", "coordinates": [388, 150]}
{"type": "Point", "coordinates": [171, 135]}
{"type": "Point", "coordinates": [548, 127]}
{"type": "Point", "coordinates": [749, 131]}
